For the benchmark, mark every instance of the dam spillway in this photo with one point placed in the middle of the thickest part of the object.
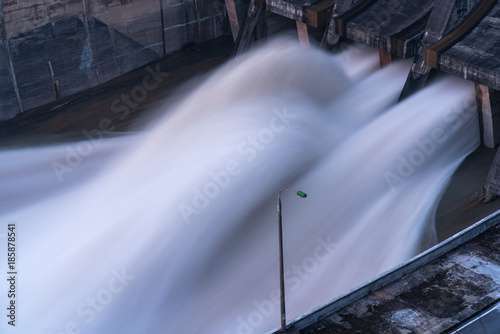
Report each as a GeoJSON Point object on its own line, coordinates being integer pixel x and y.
{"type": "Point", "coordinates": [320, 97]}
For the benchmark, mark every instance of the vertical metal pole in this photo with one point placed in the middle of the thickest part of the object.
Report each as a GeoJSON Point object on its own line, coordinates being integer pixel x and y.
{"type": "Point", "coordinates": [282, 274]}
{"type": "Point", "coordinates": [282, 270]}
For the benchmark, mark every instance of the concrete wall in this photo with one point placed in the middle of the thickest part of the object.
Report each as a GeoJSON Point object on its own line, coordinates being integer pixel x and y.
{"type": "Point", "coordinates": [459, 13]}
{"type": "Point", "coordinates": [50, 49]}
{"type": "Point", "coordinates": [193, 21]}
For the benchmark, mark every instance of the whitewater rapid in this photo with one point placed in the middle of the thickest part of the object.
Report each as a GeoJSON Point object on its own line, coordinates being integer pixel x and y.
{"type": "Point", "coordinates": [174, 229]}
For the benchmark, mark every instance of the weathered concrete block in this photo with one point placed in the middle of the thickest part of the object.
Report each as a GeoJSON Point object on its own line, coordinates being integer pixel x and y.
{"type": "Point", "coordinates": [201, 31]}
{"type": "Point", "coordinates": [175, 2]}
{"type": "Point", "coordinates": [29, 53]}
{"type": "Point", "coordinates": [89, 42]}
{"type": "Point", "coordinates": [63, 44]}
{"type": "Point", "coordinates": [222, 26]}
{"type": "Point", "coordinates": [175, 38]}
{"type": "Point", "coordinates": [138, 20]}
{"type": "Point", "coordinates": [9, 106]}
{"type": "Point", "coordinates": [175, 15]}
{"type": "Point", "coordinates": [81, 58]}
{"type": "Point", "coordinates": [23, 16]}
{"type": "Point", "coordinates": [193, 22]}
{"type": "Point", "coordinates": [459, 13]}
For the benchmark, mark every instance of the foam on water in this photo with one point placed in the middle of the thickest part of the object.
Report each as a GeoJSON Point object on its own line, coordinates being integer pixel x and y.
{"type": "Point", "coordinates": [177, 231]}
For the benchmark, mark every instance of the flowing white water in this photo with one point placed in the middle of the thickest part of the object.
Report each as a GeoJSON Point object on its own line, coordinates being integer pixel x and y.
{"type": "Point", "coordinates": [177, 231]}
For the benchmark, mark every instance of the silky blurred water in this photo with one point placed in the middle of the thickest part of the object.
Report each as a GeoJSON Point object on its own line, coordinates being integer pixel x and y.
{"type": "Point", "coordinates": [174, 229]}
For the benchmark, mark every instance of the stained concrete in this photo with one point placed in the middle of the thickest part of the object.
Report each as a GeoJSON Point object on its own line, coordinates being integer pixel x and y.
{"type": "Point", "coordinates": [89, 42]}
{"type": "Point", "coordinates": [314, 13]}
{"type": "Point", "coordinates": [475, 56]}
{"type": "Point", "coordinates": [81, 58]}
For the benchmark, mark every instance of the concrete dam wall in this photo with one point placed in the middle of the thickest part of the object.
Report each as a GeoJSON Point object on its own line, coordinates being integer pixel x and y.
{"type": "Point", "coordinates": [50, 49]}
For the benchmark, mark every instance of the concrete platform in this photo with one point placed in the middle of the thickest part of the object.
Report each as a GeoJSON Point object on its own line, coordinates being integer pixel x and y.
{"type": "Point", "coordinates": [314, 13]}
{"type": "Point", "coordinates": [472, 50]}
{"type": "Point", "coordinates": [395, 27]}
